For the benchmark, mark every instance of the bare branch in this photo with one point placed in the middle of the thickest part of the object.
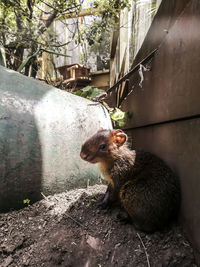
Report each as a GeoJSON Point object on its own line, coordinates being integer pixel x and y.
{"type": "Point", "coordinates": [145, 250]}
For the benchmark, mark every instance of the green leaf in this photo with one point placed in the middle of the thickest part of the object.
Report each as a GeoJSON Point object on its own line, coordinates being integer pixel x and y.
{"type": "Point", "coordinates": [27, 60]}
{"type": "Point", "coordinates": [79, 93]}
{"type": "Point", "coordinates": [89, 92]}
{"type": "Point", "coordinates": [54, 53]}
{"type": "Point", "coordinates": [26, 201]}
{"type": "Point", "coordinates": [117, 114]}
{"type": "Point", "coordinates": [94, 92]}
{"type": "Point", "coordinates": [119, 117]}
{"type": "Point", "coordinates": [86, 89]}
{"type": "Point", "coordinates": [120, 123]}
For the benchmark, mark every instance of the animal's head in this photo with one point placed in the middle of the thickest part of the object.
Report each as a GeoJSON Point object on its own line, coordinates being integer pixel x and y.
{"type": "Point", "coordinates": [100, 146]}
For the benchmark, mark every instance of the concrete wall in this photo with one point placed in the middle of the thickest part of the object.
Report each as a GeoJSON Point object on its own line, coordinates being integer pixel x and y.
{"type": "Point", "coordinates": [166, 109]}
{"type": "Point", "coordinates": [42, 130]}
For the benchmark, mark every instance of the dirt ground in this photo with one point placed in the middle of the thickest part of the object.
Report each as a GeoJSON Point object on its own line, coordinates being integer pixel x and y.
{"type": "Point", "coordinates": [69, 229]}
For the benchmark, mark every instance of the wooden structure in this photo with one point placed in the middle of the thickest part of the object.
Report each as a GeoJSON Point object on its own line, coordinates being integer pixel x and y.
{"type": "Point", "coordinates": [165, 106]}
{"type": "Point", "coordinates": [100, 79]}
{"type": "Point", "coordinates": [75, 76]}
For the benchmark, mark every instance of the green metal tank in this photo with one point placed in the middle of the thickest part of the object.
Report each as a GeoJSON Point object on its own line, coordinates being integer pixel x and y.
{"type": "Point", "coordinates": [41, 132]}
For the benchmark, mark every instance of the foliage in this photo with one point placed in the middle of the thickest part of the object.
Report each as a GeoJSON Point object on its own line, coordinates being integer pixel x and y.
{"type": "Point", "coordinates": [26, 201]}
{"type": "Point", "coordinates": [28, 59]}
{"type": "Point", "coordinates": [100, 29]}
{"type": "Point", "coordinates": [89, 92]}
{"type": "Point", "coordinates": [97, 36]}
{"type": "Point", "coordinates": [110, 7]}
{"type": "Point", "coordinates": [25, 27]}
{"type": "Point", "coordinates": [118, 117]}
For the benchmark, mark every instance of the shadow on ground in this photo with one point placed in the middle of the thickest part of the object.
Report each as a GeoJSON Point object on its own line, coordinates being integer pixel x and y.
{"type": "Point", "coordinates": [69, 229]}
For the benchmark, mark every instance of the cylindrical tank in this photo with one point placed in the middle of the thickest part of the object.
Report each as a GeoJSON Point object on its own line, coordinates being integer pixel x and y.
{"type": "Point", "coordinates": [41, 132]}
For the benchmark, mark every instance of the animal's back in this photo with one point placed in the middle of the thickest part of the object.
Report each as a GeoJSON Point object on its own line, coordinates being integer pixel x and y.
{"type": "Point", "coordinates": [151, 195]}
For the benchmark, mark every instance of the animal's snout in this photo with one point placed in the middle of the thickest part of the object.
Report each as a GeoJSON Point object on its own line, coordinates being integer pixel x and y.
{"type": "Point", "coordinates": [83, 156]}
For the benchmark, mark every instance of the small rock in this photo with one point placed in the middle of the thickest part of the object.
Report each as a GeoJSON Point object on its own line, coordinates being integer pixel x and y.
{"type": "Point", "coordinates": [26, 261]}
{"type": "Point", "coordinates": [93, 242]}
{"type": "Point", "coordinates": [167, 257]}
{"type": "Point", "coordinates": [7, 261]}
{"type": "Point", "coordinates": [10, 246]}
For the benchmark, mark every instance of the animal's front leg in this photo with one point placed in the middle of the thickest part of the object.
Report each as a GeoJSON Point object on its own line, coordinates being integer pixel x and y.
{"type": "Point", "coordinates": [110, 197]}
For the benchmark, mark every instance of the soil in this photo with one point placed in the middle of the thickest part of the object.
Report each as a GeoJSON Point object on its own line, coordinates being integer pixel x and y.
{"type": "Point", "coordinates": [69, 229]}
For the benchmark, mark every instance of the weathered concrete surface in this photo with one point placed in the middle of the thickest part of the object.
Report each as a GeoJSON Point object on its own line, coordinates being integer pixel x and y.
{"type": "Point", "coordinates": [170, 92]}
{"type": "Point", "coordinates": [41, 132]}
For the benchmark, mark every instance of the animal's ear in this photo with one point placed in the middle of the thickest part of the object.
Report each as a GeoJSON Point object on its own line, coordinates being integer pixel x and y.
{"type": "Point", "coordinates": [100, 129]}
{"type": "Point", "coordinates": [119, 137]}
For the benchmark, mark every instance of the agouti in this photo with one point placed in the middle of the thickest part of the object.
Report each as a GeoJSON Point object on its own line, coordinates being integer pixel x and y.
{"type": "Point", "coordinates": [139, 181]}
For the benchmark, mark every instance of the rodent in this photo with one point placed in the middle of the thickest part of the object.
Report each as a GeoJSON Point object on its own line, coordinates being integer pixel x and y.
{"type": "Point", "coordinates": [139, 181]}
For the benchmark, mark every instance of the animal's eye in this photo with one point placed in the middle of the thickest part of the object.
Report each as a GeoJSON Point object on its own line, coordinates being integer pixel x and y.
{"type": "Point", "coordinates": [102, 147]}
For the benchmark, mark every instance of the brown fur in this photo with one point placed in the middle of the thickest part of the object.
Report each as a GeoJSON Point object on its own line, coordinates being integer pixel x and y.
{"type": "Point", "coordinates": [141, 182]}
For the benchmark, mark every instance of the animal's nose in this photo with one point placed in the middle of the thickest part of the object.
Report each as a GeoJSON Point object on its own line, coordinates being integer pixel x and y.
{"type": "Point", "coordinates": [83, 155]}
